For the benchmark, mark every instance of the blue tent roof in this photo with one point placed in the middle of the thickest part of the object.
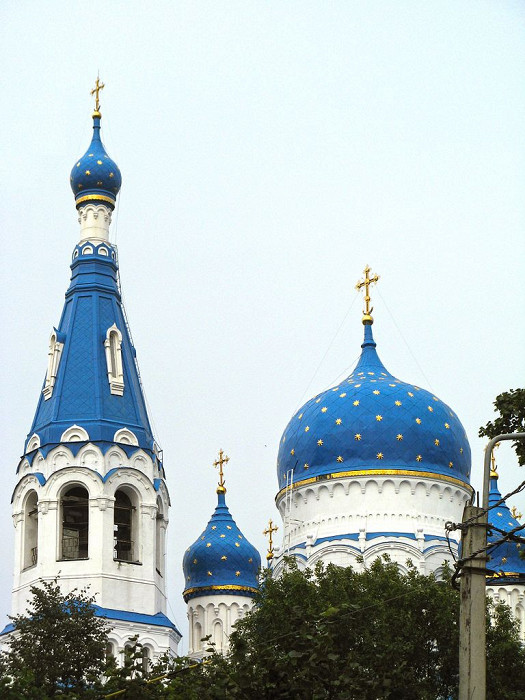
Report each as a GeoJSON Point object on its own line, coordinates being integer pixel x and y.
{"type": "Point", "coordinates": [504, 559]}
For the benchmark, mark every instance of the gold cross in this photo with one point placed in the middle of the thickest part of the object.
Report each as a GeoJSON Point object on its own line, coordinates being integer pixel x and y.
{"type": "Point", "coordinates": [98, 87]}
{"type": "Point", "coordinates": [515, 513]}
{"type": "Point", "coordinates": [269, 531]}
{"type": "Point", "coordinates": [493, 468]}
{"type": "Point", "coordinates": [223, 459]}
{"type": "Point", "coordinates": [367, 311]}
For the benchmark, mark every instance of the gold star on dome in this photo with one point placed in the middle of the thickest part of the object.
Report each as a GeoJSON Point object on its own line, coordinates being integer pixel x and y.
{"type": "Point", "coordinates": [194, 561]}
{"type": "Point", "coordinates": [356, 402]}
{"type": "Point", "coordinates": [357, 436]}
{"type": "Point", "coordinates": [317, 400]}
{"type": "Point", "coordinates": [306, 466]}
{"type": "Point", "coordinates": [229, 527]}
{"type": "Point", "coordinates": [222, 535]}
{"type": "Point", "coordinates": [202, 537]}
{"type": "Point", "coordinates": [435, 398]}
{"type": "Point", "coordinates": [357, 386]}
{"type": "Point", "coordinates": [391, 385]}
{"type": "Point", "coordinates": [376, 392]}
{"type": "Point", "coordinates": [99, 183]}
{"type": "Point", "coordinates": [411, 394]}
{"type": "Point", "coordinates": [99, 162]}
{"type": "Point", "coordinates": [208, 544]}
{"type": "Point", "coordinates": [300, 416]}
{"type": "Point", "coordinates": [188, 578]}
{"type": "Point", "coordinates": [419, 458]}
{"type": "Point", "coordinates": [237, 544]}
{"type": "Point", "coordinates": [250, 560]}
{"type": "Point", "coordinates": [436, 442]}
{"type": "Point", "coordinates": [371, 373]}
{"type": "Point", "coordinates": [447, 426]}
{"type": "Point", "coordinates": [88, 172]}
{"type": "Point", "coordinates": [338, 421]}
{"type": "Point", "coordinates": [341, 396]}
{"type": "Point", "coordinates": [500, 514]}
{"type": "Point", "coordinates": [110, 174]}
{"type": "Point", "coordinates": [418, 421]}
{"type": "Point", "coordinates": [237, 573]}
{"type": "Point", "coordinates": [397, 403]}
{"type": "Point", "coordinates": [324, 409]}
{"type": "Point", "coordinates": [503, 560]}
{"type": "Point", "coordinates": [451, 464]}
{"type": "Point", "coordinates": [78, 164]}
{"type": "Point", "coordinates": [430, 409]}
{"type": "Point", "coordinates": [379, 418]}
{"type": "Point", "coordinates": [379, 455]}
{"type": "Point", "coordinates": [214, 527]}
{"type": "Point", "coordinates": [399, 436]}
{"type": "Point", "coordinates": [224, 557]}
{"type": "Point", "coordinates": [209, 573]}
{"type": "Point", "coordinates": [460, 450]}
{"type": "Point", "coordinates": [307, 429]}
{"type": "Point", "coordinates": [339, 459]}
{"type": "Point", "coordinates": [239, 536]}
{"type": "Point", "coordinates": [319, 442]}
{"type": "Point", "coordinates": [90, 155]}
{"type": "Point", "coordinates": [292, 452]}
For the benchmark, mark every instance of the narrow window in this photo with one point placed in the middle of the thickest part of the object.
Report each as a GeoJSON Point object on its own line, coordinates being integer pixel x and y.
{"type": "Point", "coordinates": [146, 659]}
{"type": "Point", "coordinates": [30, 551]}
{"type": "Point", "coordinates": [53, 360]}
{"type": "Point", "coordinates": [159, 539]}
{"type": "Point", "coordinates": [123, 528]}
{"type": "Point", "coordinates": [75, 523]}
{"type": "Point", "coordinates": [113, 346]}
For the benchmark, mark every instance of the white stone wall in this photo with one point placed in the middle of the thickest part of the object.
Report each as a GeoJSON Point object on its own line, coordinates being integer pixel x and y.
{"type": "Point", "coordinates": [214, 615]}
{"type": "Point", "coordinates": [323, 512]}
{"type": "Point", "coordinates": [512, 594]}
{"type": "Point", "coordinates": [134, 586]}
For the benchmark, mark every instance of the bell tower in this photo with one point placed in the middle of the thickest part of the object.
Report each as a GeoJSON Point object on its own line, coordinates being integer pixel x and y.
{"type": "Point", "coordinates": [91, 503]}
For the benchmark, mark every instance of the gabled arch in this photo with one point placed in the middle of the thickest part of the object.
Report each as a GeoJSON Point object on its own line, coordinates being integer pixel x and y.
{"type": "Point", "coordinates": [74, 433]}
{"type": "Point", "coordinates": [126, 437]}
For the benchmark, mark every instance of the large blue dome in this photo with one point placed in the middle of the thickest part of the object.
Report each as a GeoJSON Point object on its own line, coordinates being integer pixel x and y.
{"type": "Point", "coordinates": [221, 560]}
{"type": "Point", "coordinates": [373, 423]}
{"type": "Point", "coordinates": [96, 177]}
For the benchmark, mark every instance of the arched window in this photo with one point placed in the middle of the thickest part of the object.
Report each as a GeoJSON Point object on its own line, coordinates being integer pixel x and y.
{"type": "Point", "coordinates": [30, 551]}
{"type": "Point", "coordinates": [75, 523]}
{"type": "Point", "coordinates": [197, 642]}
{"type": "Point", "coordinates": [124, 528]}
{"type": "Point", "coordinates": [159, 539]}
{"type": "Point", "coordinates": [110, 652]}
{"type": "Point", "coordinates": [217, 635]}
{"type": "Point", "coordinates": [146, 659]}
{"type": "Point", "coordinates": [56, 343]}
{"type": "Point", "coordinates": [113, 346]}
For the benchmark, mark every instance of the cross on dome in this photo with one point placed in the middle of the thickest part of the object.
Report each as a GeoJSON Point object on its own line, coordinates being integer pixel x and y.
{"type": "Point", "coordinates": [96, 90]}
{"type": "Point", "coordinates": [367, 311]}
{"type": "Point", "coordinates": [223, 459]}
{"type": "Point", "coordinates": [269, 531]}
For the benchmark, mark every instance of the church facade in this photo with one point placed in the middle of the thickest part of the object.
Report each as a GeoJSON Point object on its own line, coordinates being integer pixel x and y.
{"type": "Point", "coordinates": [372, 466]}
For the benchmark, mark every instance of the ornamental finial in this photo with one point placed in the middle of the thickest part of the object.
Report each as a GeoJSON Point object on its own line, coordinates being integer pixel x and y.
{"type": "Point", "coordinates": [367, 311]}
{"type": "Point", "coordinates": [223, 459]}
{"type": "Point", "coordinates": [269, 531]}
{"type": "Point", "coordinates": [96, 90]}
{"type": "Point", "coordinates": [515, 513]}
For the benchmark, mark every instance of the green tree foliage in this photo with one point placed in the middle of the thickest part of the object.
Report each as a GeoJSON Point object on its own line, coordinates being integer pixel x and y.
{"type": "Point", "coordinates": [57, 648]}
{"type": "Point", "coordinates": [511, 408]}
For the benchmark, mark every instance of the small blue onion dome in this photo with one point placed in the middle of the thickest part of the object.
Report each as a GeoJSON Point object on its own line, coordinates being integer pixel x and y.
{"type": "Point", "coordinates": [221, 560]}
{"type": "Point", "coordinates": [96, 177]}
{"type": "Point", "coordinates": [373, 423]}
{"type": "Point", "coordinates": [504, 560]}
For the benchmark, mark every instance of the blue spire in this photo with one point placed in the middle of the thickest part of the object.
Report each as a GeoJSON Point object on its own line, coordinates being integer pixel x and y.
{"type": "Point", "coordinates": [82, 393]}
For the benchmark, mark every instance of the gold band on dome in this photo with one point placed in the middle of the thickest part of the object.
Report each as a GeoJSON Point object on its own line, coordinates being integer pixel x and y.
{"type": "Point", "coordinates": [226, 587]}
{"type": "Point", "coordinates": [91, 197]}
{"type": "Point", "coordinates": [374, 472]}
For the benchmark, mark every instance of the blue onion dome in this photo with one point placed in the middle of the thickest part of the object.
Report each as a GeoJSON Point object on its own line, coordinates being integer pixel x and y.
{"type": "Point", "coordinates": [372, 423]}
{"type": "Point", "coordinates": [221, 560]}
{"type": "Point", "coordinates": [96, 177]}
{"type": "Point", "coordinates": [504, 563]}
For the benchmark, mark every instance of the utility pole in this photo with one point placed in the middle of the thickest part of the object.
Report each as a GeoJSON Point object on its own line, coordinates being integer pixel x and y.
{"type": "Point", "coordinates": [472, 656]}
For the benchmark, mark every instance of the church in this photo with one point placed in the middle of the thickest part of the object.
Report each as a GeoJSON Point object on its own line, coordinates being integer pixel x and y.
{"type": "Point", "coordinates": [375, 465]}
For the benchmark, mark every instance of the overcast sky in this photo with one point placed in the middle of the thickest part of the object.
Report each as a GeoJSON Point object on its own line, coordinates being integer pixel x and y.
{"type": "Point", "coordinates": [268, 152]}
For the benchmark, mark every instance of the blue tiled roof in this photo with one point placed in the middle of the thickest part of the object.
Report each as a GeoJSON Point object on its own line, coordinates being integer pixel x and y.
{"type": "Point", "coordinates": [373, 422]}
{"type": "Point", "coordinates": [82, 394]}
{"type": "Point", "coordinates": [221, 560]}
{"type": "Point", "coordinates": [504, 559]}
